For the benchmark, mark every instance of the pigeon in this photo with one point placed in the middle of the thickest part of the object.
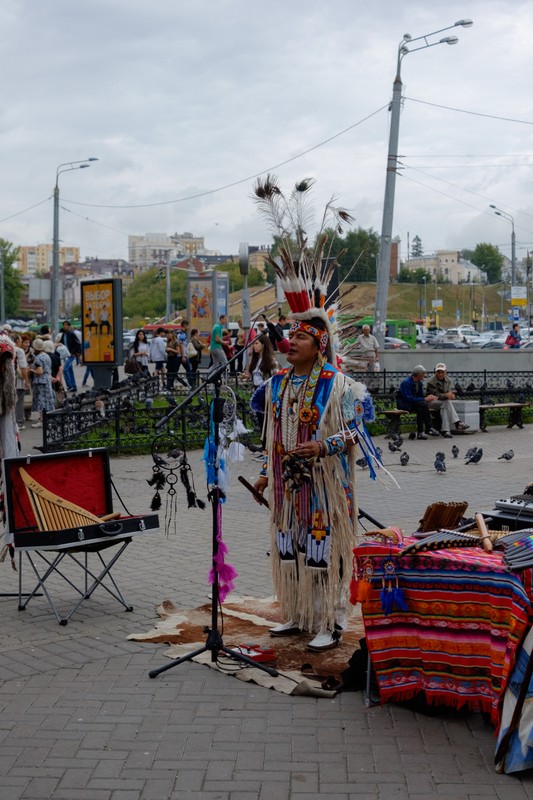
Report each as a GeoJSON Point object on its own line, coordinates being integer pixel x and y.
{"type": "Point", "coordinates": [471, 387]}
{"type": "Point", "coordinates": [379, 451]}
{"type": "Point", "coordinates": [455, 451]}
{"type": "Point", "coordinates": [362, 462]}
{"type": "Point", "coordinates": [412, 436]}
{"type": "Point", "coordinates": [507, 456]}
{"type": "Point", "coordinates": [404, 459]}
{"type": "Point", "coordinates": [440, 456]}
{"type": "Point", "coordinates": [440, 466]}
{"type": "Point", "coordinates": [393, 447]}
{"type": "Point", "coordinates": [469, 453]}
{"type": "Point", "coordinates": [459, 390]}
{"type": "Point", "coordinates": [476, 457]}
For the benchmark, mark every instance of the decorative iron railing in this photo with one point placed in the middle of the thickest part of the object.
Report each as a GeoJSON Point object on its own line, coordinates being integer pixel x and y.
{"type": "Point", "coordinates": [126, 418]}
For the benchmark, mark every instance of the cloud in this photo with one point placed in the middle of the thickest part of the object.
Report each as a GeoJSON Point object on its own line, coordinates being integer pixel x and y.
{"type": "Point", "coordinates": [176, 99]}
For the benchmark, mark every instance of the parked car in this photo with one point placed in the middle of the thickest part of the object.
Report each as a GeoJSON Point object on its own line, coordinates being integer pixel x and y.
{"type": "Point", "coordinates": [391, 343]}
{"type": "Point", "coordinates": [452, 345]}
{"type": "Point", "coordinates": [494, 344]}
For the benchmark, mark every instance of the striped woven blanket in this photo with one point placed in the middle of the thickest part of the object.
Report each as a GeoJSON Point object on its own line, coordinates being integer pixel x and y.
{"type": "Point", "coordinates": [457, 641]}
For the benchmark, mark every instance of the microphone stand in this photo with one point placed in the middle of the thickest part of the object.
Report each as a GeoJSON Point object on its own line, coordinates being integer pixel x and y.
{"type": "Point", "coordinates": [214, 643]}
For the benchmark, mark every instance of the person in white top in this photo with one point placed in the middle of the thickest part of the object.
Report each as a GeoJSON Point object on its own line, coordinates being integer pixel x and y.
{"type": "Point", "coordinates": [370, 346]}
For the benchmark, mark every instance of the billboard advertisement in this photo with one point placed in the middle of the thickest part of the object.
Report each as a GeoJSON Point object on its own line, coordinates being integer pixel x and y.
{"type": "Point", "coordinates": [101, 321]}
{"type": "Point", "coordinates": [207, 299]}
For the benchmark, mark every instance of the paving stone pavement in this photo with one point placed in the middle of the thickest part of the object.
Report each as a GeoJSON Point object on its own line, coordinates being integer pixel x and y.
{"type": "Point", "coordinates": [81, 719]}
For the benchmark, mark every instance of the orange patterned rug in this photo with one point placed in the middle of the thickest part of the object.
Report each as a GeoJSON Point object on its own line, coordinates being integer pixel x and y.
{"type": "Point", "coordinates": [246, 621]}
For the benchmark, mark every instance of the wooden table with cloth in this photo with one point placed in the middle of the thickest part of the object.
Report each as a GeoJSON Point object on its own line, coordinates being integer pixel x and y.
{"type": "Point", "coordinates": [465, 617]}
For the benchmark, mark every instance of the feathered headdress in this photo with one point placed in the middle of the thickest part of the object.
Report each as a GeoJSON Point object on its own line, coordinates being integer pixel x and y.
{"type": "Point", "coordinates": [305, 270]}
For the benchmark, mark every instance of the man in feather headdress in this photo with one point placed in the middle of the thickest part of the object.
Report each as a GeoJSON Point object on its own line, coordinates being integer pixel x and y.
{"type": "Point", "coordinates": [313, 419]}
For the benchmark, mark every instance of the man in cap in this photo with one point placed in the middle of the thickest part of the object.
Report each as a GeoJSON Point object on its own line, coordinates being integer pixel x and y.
{"type": "Point", "coordinates": [439, 387]}
{"type": "Point", "coordinates": [411, 397]}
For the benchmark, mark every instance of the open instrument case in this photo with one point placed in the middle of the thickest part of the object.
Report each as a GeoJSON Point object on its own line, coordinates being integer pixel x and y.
{"type": "Point", "coordinates": [62, 503]}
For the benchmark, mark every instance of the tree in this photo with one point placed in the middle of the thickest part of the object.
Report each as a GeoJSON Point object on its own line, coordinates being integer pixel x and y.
{"type": "Point", "coordinates": [359, 261]}
{"type": "Point", "coordinates": [12, 283]}
{"type": "Point", "coordinates": [488, 258]}
{"type": "Point", "coordinates": [414, 275]}
{"type": "Point", "coordinates": [417, 251]}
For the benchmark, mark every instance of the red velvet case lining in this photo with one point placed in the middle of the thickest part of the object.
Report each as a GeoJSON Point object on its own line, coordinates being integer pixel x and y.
{"type": "Point", "coordinates": [74, 476]}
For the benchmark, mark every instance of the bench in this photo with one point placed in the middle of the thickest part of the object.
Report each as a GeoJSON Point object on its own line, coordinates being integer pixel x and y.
{"type": "Point", "coordinates": [393, 417]}
{"type": "Point", "coordinates": [515, 414]}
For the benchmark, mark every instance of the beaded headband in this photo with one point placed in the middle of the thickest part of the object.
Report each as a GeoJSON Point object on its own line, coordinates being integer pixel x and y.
{"type": "Point", "coordinates": [321, 336]}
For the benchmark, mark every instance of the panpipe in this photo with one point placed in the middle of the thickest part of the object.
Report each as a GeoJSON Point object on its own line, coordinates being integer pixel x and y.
{"type": "Point", "coordinates": [518, 549]}
{"type": "Point", "coordinates": [54, 513]}
{"type": "Point", "coordinates": [443, 516]}
{"type": "Point", "coordinates": [443, 540]}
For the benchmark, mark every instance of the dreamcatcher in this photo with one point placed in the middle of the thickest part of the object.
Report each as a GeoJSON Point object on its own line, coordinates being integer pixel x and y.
{"type": "Point", "coordinates": [170, 466]}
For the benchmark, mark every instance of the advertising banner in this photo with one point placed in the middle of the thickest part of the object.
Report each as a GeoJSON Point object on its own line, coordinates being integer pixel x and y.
{"type": "Point", "coordinates": [101, 325]}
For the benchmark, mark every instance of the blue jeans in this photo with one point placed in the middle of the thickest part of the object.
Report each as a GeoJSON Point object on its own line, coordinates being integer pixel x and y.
{"type": "Point", "coordinates": [68, 372]}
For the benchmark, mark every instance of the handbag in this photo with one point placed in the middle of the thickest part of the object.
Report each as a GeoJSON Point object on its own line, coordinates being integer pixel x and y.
{"type": "Point", "coordinates": [191, 351]}
{"type": "Point", "coordinates": [510, 341]}
{"type": "Point", "coordinates": [131, 366]}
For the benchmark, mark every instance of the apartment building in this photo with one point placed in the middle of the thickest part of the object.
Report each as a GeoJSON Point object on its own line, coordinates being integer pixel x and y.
{"type": "Point", "coordinates": [37, 259]}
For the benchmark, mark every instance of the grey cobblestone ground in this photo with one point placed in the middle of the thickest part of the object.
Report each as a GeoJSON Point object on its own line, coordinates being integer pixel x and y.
{"type": "Point", "coordinates": [81, 720]}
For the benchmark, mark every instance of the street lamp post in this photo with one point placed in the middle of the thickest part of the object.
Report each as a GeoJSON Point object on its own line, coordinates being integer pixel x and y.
{"type": "Point", "coordinates": [54, 289]}
{"type": "Point", "coordinates": [510, 218]}
{"type": "Point", "coordinates": [383, 275]}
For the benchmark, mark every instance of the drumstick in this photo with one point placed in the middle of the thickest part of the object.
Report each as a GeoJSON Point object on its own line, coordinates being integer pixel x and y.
{"type": "Point", "coordinates": [482, 528]}
{"type": "Point", "coordinates": [258, 496]}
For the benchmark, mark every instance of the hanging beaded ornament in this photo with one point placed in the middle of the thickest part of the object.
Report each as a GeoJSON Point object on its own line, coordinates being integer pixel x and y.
{"type": "Point", "coordinates": [171, 465]}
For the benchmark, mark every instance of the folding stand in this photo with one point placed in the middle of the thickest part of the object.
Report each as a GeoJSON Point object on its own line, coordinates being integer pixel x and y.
{"type": "Point", "coordinates": [214, 643]}
{"type": "Point", "coordinates": [53, 567]}
{"type": "Point", "coordinates": [49, 527]}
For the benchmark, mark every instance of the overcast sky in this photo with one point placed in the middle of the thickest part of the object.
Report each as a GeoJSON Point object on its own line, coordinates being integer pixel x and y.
{"type": "Point", "coordinates": [178, 98]}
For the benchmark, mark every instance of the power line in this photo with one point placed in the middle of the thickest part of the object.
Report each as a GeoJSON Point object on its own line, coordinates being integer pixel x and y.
{"type": "Point", "coordinates": [469, 191]}
{"type": "Point", "coordinates": [466, 111]}
{"type": "Point", "coordinates": [241, 180]}
{"type": "Point", "coordinates": [18, 213]}
{"type": "Point", "coordinates": [94, 221]}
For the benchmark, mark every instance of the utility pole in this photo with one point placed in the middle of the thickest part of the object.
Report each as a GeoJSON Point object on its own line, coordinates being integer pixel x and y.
{"type": "Point", "coordinates": [2, 288]}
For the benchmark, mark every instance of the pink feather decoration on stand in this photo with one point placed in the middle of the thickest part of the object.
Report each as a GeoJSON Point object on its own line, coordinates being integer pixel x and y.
{"type": "Point", "coordinates": [226, 573]}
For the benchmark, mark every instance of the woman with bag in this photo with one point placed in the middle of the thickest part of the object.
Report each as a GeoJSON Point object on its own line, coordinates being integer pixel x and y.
{"type": "Point", "coordinates": [194, 354]}
{"type": "Point", "coordinates": [514, 338]}
{"type": "Point", "coordinates": [140, 352]}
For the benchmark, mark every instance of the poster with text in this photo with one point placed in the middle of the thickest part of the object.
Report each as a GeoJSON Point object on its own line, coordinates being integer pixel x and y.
{"type": "Point", "coordinates": [200, 303]}
{"type": "Point", "coordinates": [101, 303]}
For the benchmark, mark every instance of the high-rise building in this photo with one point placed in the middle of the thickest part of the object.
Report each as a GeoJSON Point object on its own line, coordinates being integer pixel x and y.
{"type": "Point", "coordinates": [156, 249]}
{"type": "Point", "coordinates": [36, 259]}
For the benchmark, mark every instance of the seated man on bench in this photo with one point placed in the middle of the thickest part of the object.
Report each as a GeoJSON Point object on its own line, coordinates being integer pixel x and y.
{"type": "Point", "coordinates": [411, 397]}
{"type": "Point", "coordinates": [439, 386]}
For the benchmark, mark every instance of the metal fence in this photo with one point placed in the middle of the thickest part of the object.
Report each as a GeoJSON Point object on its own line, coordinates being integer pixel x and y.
{"type": "Point", "coordinates": [126, 418]}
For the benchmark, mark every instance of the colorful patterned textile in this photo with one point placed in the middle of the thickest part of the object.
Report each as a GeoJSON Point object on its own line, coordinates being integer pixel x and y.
{"type": "Point", "coordinates": [456, 643]}
{"type": "Point", "coordinates": [518, 754]}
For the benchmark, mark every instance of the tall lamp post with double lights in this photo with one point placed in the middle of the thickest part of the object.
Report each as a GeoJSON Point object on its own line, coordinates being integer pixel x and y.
{"type": "Point", "coordinates": [68, 166]}
{"type": "Point", "coordinates": [510, 218]}
{"type": "Point", "coordinates": [392, 166]}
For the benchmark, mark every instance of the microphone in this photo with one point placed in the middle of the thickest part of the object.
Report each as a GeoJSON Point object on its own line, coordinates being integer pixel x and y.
{"type": "Point", "coordinates": [274, 334]}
